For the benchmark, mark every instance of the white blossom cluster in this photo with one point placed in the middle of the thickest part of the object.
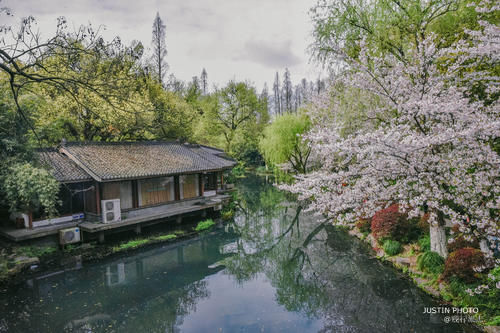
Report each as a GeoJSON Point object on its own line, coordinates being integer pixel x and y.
{"type": "Point", "coordinates": [428, 146]}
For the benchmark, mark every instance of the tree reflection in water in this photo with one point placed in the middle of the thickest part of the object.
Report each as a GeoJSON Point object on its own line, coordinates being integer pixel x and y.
{"type": "Point", "coordinates": [321, 271]}
{"type": "Point", "coordinates": [314, 277]}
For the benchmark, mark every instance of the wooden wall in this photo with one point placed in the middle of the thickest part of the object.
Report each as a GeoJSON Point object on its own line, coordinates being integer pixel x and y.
{"type": "Point", "coordinates": [118, 190]}
{"type": "Point", "coordinates": [189, 186]}
{"type": "Point", "coordinates": [155, 191]}
{"type": "Point", "coordinates": [149, 192]}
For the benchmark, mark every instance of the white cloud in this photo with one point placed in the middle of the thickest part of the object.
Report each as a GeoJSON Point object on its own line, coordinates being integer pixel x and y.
{"type": "Point", "coordinates": [273, 55]}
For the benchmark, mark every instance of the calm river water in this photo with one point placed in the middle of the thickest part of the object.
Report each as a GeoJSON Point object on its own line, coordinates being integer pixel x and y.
{"type": "Point", "coordinates": [273, 269]}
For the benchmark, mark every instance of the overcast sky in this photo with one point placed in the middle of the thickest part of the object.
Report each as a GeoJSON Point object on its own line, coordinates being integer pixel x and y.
{"type": "Point", "coordinates": [232, 39]}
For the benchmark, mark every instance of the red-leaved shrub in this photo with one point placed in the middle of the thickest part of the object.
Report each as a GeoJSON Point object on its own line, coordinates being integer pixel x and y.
{"type": "Point", "coordinates": [389, 223]}
{"type": "Point", "coordinates": [363, 224]}
{"type": "Point", "coordinates": [460, 264]}
{"type": "Point", "coordinates": [460, 242]}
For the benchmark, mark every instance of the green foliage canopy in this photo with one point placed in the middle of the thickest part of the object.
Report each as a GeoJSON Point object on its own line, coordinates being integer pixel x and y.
{"type": "Point", "coordinates": [282, 141]}
{"type": "Point", "coordinates": [28, 188]}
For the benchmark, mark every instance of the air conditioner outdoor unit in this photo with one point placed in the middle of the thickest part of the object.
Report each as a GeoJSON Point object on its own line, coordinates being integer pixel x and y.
{"type": "Point", "coordinates": [111, 211]}
{"type": "Point", "coordinates": [69, 236]}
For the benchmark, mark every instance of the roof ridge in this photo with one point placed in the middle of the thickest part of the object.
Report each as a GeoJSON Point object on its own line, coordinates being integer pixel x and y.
{"type": "Point", "coordinates": [118, 143]}
{"type": "Point", "coordinates": [203, 157]}
{"type": "Point", "coordinates": [145, 142]}
{"type": "Point", "coordinates": [214, 148]}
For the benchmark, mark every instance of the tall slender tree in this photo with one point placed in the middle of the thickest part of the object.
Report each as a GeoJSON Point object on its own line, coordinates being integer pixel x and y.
{"type": "Point", "coordinates": [287, 91]}
{"type": "Point", "coordinates": [160, 64]}
{"type": "Point", "coordinates": [297, 100]}
{"type": "Point", "coordinates": [304, 90]}
{"type": "Point", "coordinates": [204, 81]}
{"type": "Point", "coordinates": [277, 94]}
{"type": "Point", "coordinates": [264, 97]}
{"type": "Point", "coordinates": [320, 85]}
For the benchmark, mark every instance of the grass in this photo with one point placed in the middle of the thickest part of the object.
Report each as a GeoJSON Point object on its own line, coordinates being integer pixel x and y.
{"type": "Point", "coordinates": [204, 225]}
{"type": "Point", "coordinates": [430, 262]}
{"type": "Point", "coordinates": [135, 243]}
{"type": "Point", "coordinates": [131, 244]}
{"type": "Point", "coordinates": [165, 237]}
{"type": "Point", "coordinates": [35, 251]}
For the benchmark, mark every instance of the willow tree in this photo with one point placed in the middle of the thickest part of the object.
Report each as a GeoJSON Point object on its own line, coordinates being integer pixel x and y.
{"type": "Point", "coordinates": [283, 142]}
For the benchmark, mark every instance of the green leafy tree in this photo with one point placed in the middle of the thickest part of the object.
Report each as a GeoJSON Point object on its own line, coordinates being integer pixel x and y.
{"type": "Point", "coordinates": [232, 109]}
{"type": "Point", "coordinates": [282, 141]}
{"type": "Point", "coordinates": [28, 188]}
{"type": "Point", "coordinates": [173, 116]}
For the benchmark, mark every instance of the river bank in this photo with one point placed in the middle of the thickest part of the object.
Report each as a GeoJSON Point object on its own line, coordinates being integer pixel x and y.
{"type": "Point", "coordinates": [433, 284]}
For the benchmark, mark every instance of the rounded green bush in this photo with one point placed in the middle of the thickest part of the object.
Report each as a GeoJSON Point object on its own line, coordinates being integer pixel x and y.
{"type": "Point", "coordinates": [430, 262]}
{"type": "Point", "coordinates": [392, 247]}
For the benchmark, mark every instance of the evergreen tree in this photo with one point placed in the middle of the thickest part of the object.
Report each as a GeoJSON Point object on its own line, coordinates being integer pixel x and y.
{"type": "Point", "coordinates": [304, 90]}
{"type": "Point", "coordinates": [277, 94]}
{"type": "Point", "coordinates": [297, 100]}
{"type": "Point", "coordinates": [287, 91]}
{"type": "Point", "coordinates": [159, 48]}
{"type": "Point", "coordinates": [204, 81]}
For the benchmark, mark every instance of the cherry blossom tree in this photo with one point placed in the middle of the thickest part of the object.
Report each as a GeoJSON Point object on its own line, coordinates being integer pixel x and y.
{"type": "Point", "coordinates": [428, 145]}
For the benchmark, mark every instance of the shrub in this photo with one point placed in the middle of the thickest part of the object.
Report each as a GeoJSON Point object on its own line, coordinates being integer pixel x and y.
{"type": "Point", "coordinates": [227, 215]}
{"type": "Point", "coordinates": [204, 225]}
{"type": "Point", "coordinates": [460, 242]}
{"type": "Point", "coordinates": [425, 243]}
{"type": "Point", "coordinates": [389, 223]}
{"type": "Point", "coordinates": [392, 247]}
{"type": "Point", "coordinates": [430, 262]}
{"type": "Point", "coordinates": [460, 264]}
{"type": "Point", "coordinates": [364, 225]}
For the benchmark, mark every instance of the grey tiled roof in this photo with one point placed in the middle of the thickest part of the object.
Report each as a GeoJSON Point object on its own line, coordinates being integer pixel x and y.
{"type": "Point", "coordinates": [128, 160]}
{"type": "Point", "coordinates": [213, 156]}
{"type": "Point", "coordinates": [63, 169]}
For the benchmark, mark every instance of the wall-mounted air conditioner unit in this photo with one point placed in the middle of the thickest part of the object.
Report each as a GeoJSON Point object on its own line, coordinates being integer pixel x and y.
{"type": "Point", "coordinates": [69, 236]}
{"type": "Point", "coordinates": [111, 211]}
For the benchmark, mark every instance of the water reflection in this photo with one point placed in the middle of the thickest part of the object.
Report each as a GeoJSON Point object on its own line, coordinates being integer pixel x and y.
{"type": "Point", "coordinates": [275, 268]}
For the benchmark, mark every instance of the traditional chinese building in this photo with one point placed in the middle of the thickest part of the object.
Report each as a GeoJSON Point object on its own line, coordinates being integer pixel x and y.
{"type": "Point", "coordinates": [113, 185]}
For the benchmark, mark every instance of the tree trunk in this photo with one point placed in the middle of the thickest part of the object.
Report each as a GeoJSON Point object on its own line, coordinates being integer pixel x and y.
{"type": "Point", "coordinates": [30, 219]}
{"type": "Point", "coordinates": [438, 240]}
